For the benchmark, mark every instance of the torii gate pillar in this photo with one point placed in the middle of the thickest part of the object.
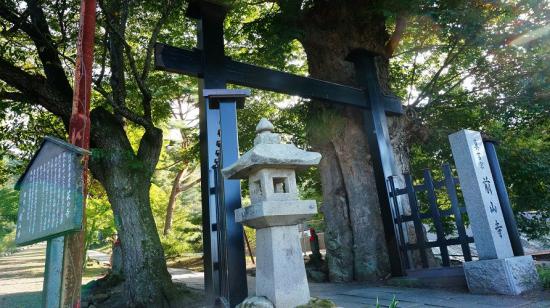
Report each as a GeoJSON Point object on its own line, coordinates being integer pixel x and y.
{"type": "Point", "coordinates": [233, 283]}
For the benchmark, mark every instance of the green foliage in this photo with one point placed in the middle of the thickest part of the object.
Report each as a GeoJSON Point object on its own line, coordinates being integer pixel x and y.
{"type": "Point", "coordinates": [544, 274]}
{"type": "Point", "coordinates": [186, 236]}
{"type": "Point", "coordinates": [482, 79]}
{"type": "Point", "coordinates": [174, 246]}
{"type": "Point", "coordinates": [8, 209]}
{"type": "Point", "coordinates": [7, 242]}
{"type": "Point", "coordinates": [100, 225]}
{"type": "Point", "coordinates": [393, 303]}
{"type": "Point", "coordinates": [8, 217]}
{"type": "Point", "coordinates": [22, 129]}
{"type": "Point", "coordinates": [457, 67]}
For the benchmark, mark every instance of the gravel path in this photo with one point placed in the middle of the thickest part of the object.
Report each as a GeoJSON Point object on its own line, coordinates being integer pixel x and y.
{"type": "Point", "coordinates": [21, 277]}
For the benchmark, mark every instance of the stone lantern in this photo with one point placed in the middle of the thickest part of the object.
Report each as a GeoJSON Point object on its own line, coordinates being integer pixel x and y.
{"type": "Point", "coordinates": [275, 213]}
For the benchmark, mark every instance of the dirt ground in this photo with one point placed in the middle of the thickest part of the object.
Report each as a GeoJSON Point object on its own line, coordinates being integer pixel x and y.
{"type": "Point", "coordinates": [21, 277]}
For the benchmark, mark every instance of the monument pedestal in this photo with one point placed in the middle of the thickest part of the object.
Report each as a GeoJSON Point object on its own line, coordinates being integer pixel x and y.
{"type": "Point", "coordinates": [508, 276]}
{"type": "Point", "coordinates": [280, 272]}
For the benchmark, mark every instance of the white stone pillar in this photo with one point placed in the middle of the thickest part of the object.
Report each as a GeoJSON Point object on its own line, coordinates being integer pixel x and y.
{"type": "Point", "coordinates": [497, 271]}
{"type": "Point", "coordinates": [280, 271]}
{"type": "Point", "coordinates": [480, 196]}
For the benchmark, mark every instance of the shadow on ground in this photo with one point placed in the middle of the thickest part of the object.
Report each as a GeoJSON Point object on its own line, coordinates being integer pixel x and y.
{"type": "Point", "coordinates": [21, 300]}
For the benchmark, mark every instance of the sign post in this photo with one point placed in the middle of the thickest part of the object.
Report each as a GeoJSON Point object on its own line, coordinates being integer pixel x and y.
{"type": "Point", "coordinates": [50, 206]}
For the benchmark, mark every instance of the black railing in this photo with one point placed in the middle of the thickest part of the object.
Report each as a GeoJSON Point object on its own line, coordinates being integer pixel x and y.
{"type": "Point", "coordinates": [432, 214]}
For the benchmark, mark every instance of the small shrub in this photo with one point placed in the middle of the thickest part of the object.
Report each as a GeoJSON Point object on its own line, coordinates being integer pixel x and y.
{"type": "Point", "coordinates": [544, 274]}
{"type": "Point", "coordinates": [393, 303]}
{"type": "Point", "coordinates": [174, 246]}
{"type": "Point", "coordinates": [7, 243]}
{"type": "Point", "coordinates": [318, 303]}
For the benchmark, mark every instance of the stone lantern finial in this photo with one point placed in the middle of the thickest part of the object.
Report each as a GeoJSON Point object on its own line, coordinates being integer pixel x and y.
{"type": "Point", "coordinates": [275, 213]}
{"type": "Point", "coordinates": [264, 125]}
{"type": "Point", "coordinates": [265, 133]}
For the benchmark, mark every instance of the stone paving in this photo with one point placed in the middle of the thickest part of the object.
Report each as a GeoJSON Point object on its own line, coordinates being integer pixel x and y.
{"type": "Point", "coordinates": [21, 285]}
{"type": "Point", "coordinates": [357, 295]}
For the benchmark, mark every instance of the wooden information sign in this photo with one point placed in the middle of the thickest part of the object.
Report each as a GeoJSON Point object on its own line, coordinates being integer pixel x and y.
{"type": "Point", "coordinates": [50, 198]}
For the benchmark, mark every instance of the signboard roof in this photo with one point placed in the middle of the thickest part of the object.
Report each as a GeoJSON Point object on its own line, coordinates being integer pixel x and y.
{"type": "Point", "coordinates": [57, 142]}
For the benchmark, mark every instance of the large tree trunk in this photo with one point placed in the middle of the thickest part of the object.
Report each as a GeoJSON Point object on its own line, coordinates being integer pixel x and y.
{"type": "Point", "coordinates": [355, 231]}
{"type": "Point", "coordinates": [126, 178]}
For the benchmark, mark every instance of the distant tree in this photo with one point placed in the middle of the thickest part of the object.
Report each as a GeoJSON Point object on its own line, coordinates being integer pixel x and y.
{"type": "Point", "coordinates": [182, 155]}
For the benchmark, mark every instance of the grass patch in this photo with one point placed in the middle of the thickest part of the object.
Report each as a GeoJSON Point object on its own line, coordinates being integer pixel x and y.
{"type": "Point", "coordinates": [94, 270]}
{"type": "Point", "coordinates": [193, 263]}
{"type": "Point", "coordinates": [393, 303]}
{"type": "Point", "coordinates": [7, 243]}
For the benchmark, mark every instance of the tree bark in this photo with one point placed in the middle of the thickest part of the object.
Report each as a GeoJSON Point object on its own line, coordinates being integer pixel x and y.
{"type": "Point", "coordinates": [126, 179]}
{"type": "Point", "coordinates": [356, 247]}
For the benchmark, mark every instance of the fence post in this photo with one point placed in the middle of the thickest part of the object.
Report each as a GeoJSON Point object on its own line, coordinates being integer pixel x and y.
{"type": "Point", "coordinates": [415, 213]}
{"type": "Point", "coordinates": [451, 192]}
{"type": "Point", "coordinates": [434, 208]}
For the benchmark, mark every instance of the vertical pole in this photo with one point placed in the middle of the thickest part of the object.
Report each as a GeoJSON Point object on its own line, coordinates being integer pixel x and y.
{"type": "Point", "coordinates": [220, 250]}
{"type": "Point", "coordinates": [210, 41]}
{"type": "Point", "coordinates": [500, 187]}
{"type": "Point", "coordinates": [236, 270]}
{"type": "Point", "coordinates": [53, 275]}
{"type": "Point", "coordinates": [79, 135]}
{"type": "Point", "coordinates": [378, 137]}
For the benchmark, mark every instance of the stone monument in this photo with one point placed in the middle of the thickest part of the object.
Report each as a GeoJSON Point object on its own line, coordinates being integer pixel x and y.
{"type": "Point", "coordinates": [497, 270]}
{"type": "Point", "coordinates": [275, 213]}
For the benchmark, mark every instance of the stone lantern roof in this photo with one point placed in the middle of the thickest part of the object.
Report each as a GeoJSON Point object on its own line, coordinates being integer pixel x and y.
{"type": "Point", "coordinates": [269, 152]}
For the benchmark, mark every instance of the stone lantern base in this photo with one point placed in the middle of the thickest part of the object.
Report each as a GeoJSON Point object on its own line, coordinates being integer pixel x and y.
{"type": "Point", "coordinates": [280, 271]}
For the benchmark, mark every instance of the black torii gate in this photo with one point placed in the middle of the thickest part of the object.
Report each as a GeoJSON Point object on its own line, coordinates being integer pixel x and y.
{"type": "Point", "coordinates": [218, 113]}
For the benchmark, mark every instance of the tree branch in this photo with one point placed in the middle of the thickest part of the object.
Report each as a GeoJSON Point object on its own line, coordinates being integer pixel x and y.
{"type": "Point", "coordinates": [14, 96]}
{"type": "Point", "coordinates": [37, 89]}
{"type": "Point", "coordinates": [153, 40]}
{"type": "Point", "coordinates": [39, 32]}
{"type": "Point", "coordinates": [395, 38]}
{"type": "Point", "coordinates": [103, 60]}
{"type": "Point", "coordinates": [121, 109]}
{"type": "Point", "coordinates": [120, 38]}
{"type": "Point", "coordinates": [451, 56]}
{"type": "Point", "coordinates": [186, 186]}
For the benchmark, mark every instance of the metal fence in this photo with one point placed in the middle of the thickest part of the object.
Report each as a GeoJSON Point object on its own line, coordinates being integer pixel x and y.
{"type": "Point", "coordinates": [434, 203]}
